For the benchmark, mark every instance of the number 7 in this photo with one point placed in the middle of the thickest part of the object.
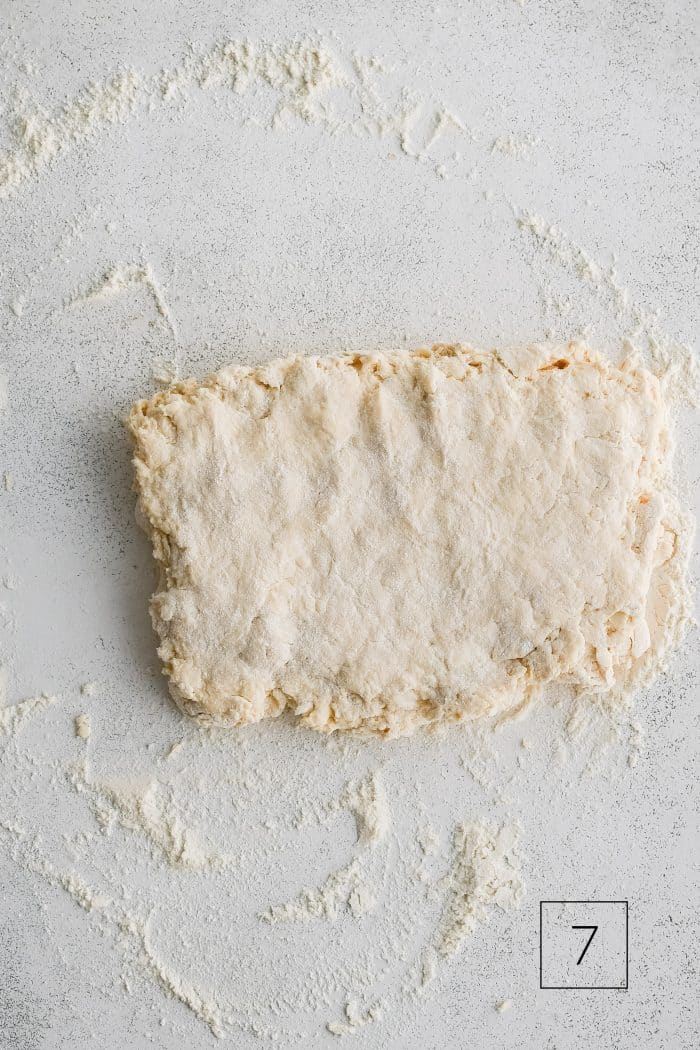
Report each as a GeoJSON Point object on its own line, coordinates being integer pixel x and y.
{"type": "Point", "coordinates": [588, 942]}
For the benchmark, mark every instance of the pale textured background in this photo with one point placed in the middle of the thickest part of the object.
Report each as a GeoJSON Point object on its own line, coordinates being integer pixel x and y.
{"type": "Point", "coordinates": [266, 243]}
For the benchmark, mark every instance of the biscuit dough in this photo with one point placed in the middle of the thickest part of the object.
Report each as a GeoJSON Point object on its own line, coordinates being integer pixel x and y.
{"type": "Point", "coordinates": [386, 541]}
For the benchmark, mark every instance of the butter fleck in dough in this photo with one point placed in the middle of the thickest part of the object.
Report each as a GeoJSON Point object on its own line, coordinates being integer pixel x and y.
{"type": "Point", "coordinates": [388, 541]}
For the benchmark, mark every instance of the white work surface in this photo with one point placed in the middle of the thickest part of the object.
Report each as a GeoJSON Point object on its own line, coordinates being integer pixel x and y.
{"type": "Point", "coordinates": [260, 242]}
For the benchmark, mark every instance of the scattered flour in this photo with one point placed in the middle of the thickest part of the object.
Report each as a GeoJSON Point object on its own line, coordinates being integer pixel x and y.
{"type": "Point", "coordinates": [428, 840]}
{"type": "Point", "coordinates": [480, 758]}
{"type": "Point", "coordinates": [124, 926]}
{"type": "Point", "coordinates": [349, 886]}
{"type": "Point", "coordinates": [517, 147]}
{"type": "Point", "coordinates": [13, 717]}
{"type": "Point", "coordinates": [304, 76]}
{"type": "Point", "coordinates": [637, 743]}
{"type": "Point", "coordinates": [166, 371]}
{"type": "Point", "coordinates": [366, 800]}
{"type": "Point", "coordinates": [674, 360]}
{"type": "Point", "coordinates": [418, 925]}
{"type": "Point", "coordinates": [316, 85]}
{"type": "Point", "coordinates": [429, 844]}
{"type": "Point", "coordinates": [343, 887]}
{"type": "Point", "coordinates": [118, 279]}
{"type": "Point", "coordinates": [31, 859]}
{"type": "Point", "coordinates": [83, 726]}
{"type": "Point", "coordinates": [355, 1018]}
{"type": "Point", "coordinates": [368, 803]}
{"type": "Point", "coordinates": [81, 893]}
{"type": "Point", "coordinates": [42, 136]}
{"type": "Point", "coordinates": [146, 806]}
{"type": "Point", "coordinates": [485, 871]}
{"type": "Point", "coordinates": [205, 1007]}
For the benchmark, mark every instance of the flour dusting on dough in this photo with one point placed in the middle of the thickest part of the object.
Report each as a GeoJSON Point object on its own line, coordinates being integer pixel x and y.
{"type": "Point", "coordinates": [409, 495]}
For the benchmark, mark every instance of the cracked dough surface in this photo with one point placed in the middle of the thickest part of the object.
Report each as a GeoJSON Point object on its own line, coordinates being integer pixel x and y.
{"type": "Point", "coordinates": [387, 541]}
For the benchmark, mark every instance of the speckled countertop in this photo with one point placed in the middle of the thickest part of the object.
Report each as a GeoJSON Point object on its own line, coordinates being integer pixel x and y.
{"type": "Point", "coordinates": [556, 196]}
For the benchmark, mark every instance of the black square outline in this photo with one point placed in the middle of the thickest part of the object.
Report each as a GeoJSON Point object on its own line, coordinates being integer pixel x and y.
{"type": "Point", "coordinates": [590, 987]}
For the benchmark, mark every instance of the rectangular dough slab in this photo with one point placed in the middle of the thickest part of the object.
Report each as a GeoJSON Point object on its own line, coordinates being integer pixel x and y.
{"type": "Point", "coordinates": [387, 541]}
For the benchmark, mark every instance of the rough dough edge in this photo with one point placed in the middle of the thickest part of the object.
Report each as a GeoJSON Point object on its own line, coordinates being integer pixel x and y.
{"type": "Point", "coordinates": [536, 357]}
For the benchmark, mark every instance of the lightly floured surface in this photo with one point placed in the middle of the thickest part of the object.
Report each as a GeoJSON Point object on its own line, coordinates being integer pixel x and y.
{"type": "Point", "coordinates": [395, 540]}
